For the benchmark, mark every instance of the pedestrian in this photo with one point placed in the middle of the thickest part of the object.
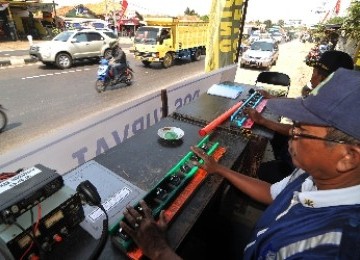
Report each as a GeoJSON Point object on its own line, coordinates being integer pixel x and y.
{"type": "Point", "coordinates": [315, 212]}
{"type": "Point", "coordinates": [327, 64]}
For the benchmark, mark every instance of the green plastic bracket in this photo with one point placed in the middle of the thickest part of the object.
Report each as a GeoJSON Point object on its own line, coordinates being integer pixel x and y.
{"type": "Point", "coordinates": [163, 193]}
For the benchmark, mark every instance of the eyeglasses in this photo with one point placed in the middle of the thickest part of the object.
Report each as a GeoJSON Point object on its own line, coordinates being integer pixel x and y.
{"type": "Point", "coordinates": [295, 135]}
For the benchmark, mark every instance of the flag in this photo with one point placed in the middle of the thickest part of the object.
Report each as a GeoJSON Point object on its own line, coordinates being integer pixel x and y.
{"type": "Point", "coordinates": [226, 17]}
{"type": "Point", "coordinates": [124, 5]}
{"type": "Point", "coordinates": [337, 7]}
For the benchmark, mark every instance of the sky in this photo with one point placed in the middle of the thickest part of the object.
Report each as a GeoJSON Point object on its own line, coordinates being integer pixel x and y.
{"type": "Point", "coordinates": [257, 9]}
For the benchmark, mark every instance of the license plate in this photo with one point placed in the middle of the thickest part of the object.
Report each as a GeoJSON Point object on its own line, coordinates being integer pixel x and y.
{"type": "Point", "coordinates": [102, 69]}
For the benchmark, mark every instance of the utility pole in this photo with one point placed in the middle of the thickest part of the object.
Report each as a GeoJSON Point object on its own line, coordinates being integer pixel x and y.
{"type": "Point", "coordinates": [114, 18]}
{"type": "Point", "coordinates": [54, 7]}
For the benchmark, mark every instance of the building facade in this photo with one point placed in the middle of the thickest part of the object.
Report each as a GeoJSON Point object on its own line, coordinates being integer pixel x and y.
{"type": "Point", "coordinates": [18, 19]}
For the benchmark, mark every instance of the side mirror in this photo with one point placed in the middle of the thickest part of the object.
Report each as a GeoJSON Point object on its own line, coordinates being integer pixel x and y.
{"type": "Point", "coordinates": [73, 40]}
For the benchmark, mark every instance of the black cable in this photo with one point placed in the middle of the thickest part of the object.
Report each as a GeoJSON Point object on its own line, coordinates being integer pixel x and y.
{"type": "Point", "coordinates": [104, 236]}
{"type": "Point", "coordinates": [23, 230]}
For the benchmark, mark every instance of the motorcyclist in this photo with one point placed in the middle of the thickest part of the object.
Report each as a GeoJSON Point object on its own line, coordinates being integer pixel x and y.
{"type": "Point", "coordinates": [118, 60]}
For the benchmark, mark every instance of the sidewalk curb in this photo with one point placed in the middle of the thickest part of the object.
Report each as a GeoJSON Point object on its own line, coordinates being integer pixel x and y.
{"type": "Point", "coordinates": [17, 61]}
{"type": "Point", "coordinates": [4, 63]}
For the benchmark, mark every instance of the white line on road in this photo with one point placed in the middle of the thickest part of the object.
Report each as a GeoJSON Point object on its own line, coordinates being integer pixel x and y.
{"type": "Point", "coordinates": [56, 73]}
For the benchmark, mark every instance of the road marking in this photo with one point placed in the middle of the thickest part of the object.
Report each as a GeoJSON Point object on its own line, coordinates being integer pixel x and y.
{"type": "Point", "coordinates": [55, 73]}
{"type": "Point", "coordinates": [13, 66]}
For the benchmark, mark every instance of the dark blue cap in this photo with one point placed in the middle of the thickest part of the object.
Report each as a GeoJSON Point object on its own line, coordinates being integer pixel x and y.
{"type": "Point", "coordinates": [332, 60]}
{"type": "Point", "coordinates": [334, 102]}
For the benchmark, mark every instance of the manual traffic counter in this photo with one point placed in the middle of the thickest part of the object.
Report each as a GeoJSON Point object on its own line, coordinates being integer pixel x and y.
{"type": "Point", "coordinates": [144, 159]}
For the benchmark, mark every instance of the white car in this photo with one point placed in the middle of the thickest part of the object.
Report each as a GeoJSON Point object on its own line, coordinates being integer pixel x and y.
{"type": "Point", "coordinates": [277, 36]}
{"type": "Point", "coordinates": [72, 45]}
{"type": "Point", "coordinates": [261, 54]}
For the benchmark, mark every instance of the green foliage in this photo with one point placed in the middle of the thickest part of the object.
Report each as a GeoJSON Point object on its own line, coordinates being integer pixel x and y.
{"type": "Point", "coordinates": [351, 23]}
{"type": "Point", "coordinates": [336, 20]}
{"type": "Point", "coordinates": [281, 23]}
{"type": "Point", "coordinates": [268, 24]}
{"type": "Point", "coordinates": [188, 11]}
{"type": "Point", "coordinates": [55, 31]}
{"type": "Point", "coordinates": [205, 18]}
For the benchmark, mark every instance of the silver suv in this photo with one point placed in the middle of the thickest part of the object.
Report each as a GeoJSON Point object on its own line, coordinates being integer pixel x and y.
{"type": "Point", "coordinates": [72, 45]}
{"type": "Point", "coordinates": [261, 54]}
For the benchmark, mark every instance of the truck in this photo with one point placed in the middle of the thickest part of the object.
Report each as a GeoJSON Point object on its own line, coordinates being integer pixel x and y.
{"type": "Point", "coordinates": [162, 40]}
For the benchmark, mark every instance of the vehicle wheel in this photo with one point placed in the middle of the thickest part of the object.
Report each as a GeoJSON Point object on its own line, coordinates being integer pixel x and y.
{"type": "Point", "coordinates": [100, 86]}
{"type": "Point", "coordinates": [96, 59]}
{"type": "Point", "coordinates": [146, 63]}
{"type": "Point", "coordinates": [129, 78]}
{"type": "Point", "coordinates": [107, 53]}
{"type": "Point", "coordinates": [3, 120]}
{"type": "Point", "coordinates": [47, 63]}
{"type": "Point", "coordinates": [196, 56]}
{"type": "Point", "coordinates": [168, 60]}
{"type": "Point", "coordinates": [63, 61]}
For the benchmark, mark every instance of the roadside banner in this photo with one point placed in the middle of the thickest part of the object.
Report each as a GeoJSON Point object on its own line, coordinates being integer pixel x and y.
{"type": "Point", "coordinates": [337, 7]}
{"type": "Point", "coordinates": [124, 5]}
{"type": "Point", "coordinates": [226, 18]}
{"type": "Point", "coordinates": [357, 58]}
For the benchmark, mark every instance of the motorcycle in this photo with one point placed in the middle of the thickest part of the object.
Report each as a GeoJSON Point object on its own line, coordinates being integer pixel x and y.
{"type": "Point", "coordinates": [106, 78]}
{"type": "Point", "coordinates": [3, 118]}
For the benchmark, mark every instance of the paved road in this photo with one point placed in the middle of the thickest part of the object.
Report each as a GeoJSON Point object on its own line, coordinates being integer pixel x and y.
{"type": "Point", "coordinates": [40, 99]}
{"type": "Point", "coordinates": [6, 54]}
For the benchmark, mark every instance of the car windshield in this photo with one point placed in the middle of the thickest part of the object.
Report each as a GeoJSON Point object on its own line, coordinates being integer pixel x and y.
{"type": "Point", "coordinates": [262, 46]}
{"type": "Point", "coordinates": [63, 37]}
{"type": "Point", "coordinates": [110, 34]}
{"type": "Point", "coordinates": [146, 35]}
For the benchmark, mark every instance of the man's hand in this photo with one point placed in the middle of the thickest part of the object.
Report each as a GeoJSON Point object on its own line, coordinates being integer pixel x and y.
{"type": "Point", "coordinates": [265, 94]}
{"type": "Point", "coordinates": [254, 115]}
{"type": "Point", "coordinates": [209, 165]}
{"type": "Point", "coordinates": [149, 235]}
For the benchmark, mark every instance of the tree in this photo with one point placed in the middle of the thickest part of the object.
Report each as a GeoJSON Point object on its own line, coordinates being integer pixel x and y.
{"type": "Point", "coordinates": [205, 18]}
{"type": "Point", "coordinates": [268, 24]}
{"type": "Point", "coordinates": [351, 24]}
{"type": "Point", "coordinates": [190, 12]}
{"type": "Point", "coordinates": [281, 23]}
{"type": "Point", "coordinates": [335, 20]}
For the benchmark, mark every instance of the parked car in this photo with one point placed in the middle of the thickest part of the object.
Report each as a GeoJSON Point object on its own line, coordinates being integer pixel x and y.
{"type": "Point", "coordinates": [261, 54]}
{"type": "Point", "coordinates": [72, 45]}
{"type": "Point", "coordinates": [277, 36]}
{"type": "Point", "coordinates": [255, 36]}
